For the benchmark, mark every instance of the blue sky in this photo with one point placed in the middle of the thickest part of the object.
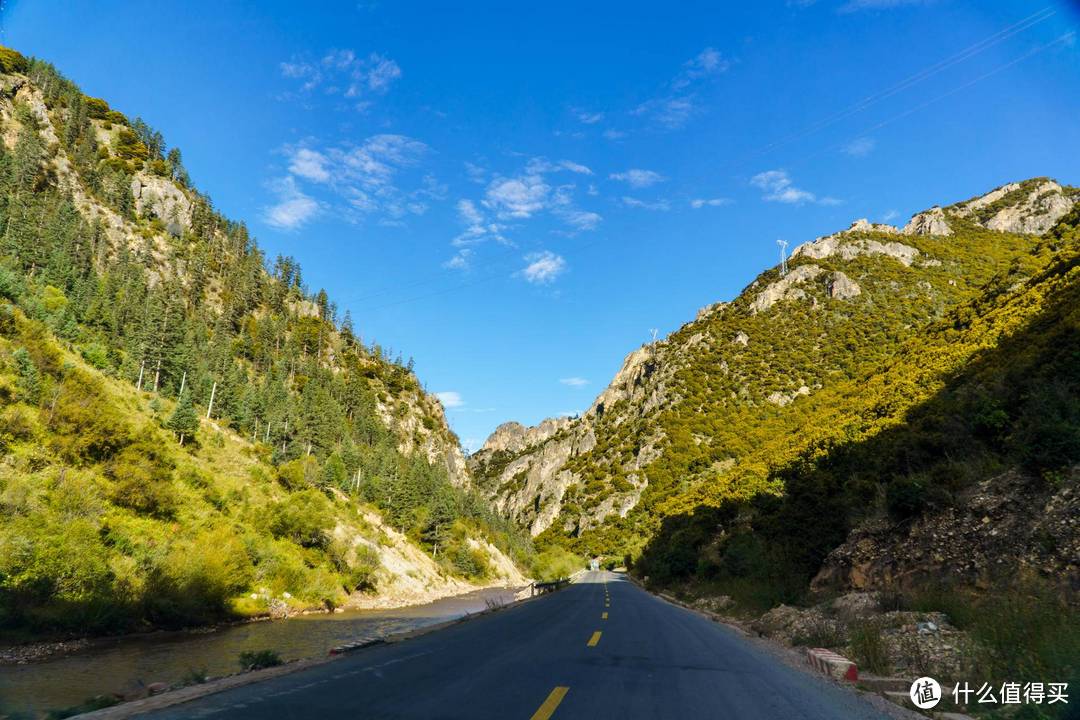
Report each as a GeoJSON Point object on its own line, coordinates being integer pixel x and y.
{"type": "Point", "coordinates": [515, 196]}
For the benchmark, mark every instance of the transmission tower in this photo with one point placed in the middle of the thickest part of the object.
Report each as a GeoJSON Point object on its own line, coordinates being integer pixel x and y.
{"type": "Point", "coordinates": [783, 256]}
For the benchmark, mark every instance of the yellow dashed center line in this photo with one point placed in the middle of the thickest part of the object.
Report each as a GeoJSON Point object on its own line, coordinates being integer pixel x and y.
{"type": "Point", "coordinates": [604, 616]}
{"type": "Point", "coordinates": [546, 710]}
{"type": "Point", "coordinates": [594, 639]}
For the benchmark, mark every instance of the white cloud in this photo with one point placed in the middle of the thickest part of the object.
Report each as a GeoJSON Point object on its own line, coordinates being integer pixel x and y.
{"type": "Point", "coordinates": [543, 267]}
{"type": "Point", "coordinates": [309, 164]}
{"type": "Point", "coordinates": [574, 381]}
{"type": "Point", "coordinates": [478, 229]}
{"type": "Point", "coordinates": [638, 178]}
{"type": "Point", "coordinates": [612, 134]}
{"type": "Point", "coordinates": [706, 63]}
{"type": "Point", "coordinates": [293, 208]}
{"type": "Point", "coordinates": [677, 104]}
{"type": "Point", "coordinates": [450, 399]}
{"type": "Point", "coordinates": [586, 117]}
{"type": "Point", "coordinates": [460, 260]}
{"type": "Point", "coordinates": [859, 147]}
{"type": "Point", "coordinates": [580, 219]}
{"type": "Point", "coordinates": [342, 72]}
{"type": "Point", "coordinates": [698, 203]}
{"type": "Point", "coordinates": [475, 173]}
{"type": "Point", "coordinates": [518, 197]}
{"type": "Point", "coordinates": [661, 205]}
{"type": "Point", "coordinates": [364, 178]}
{"type": "Point", "coordinates": [778, 187]}
{"type": "Point", "coordinates": [383, 72]}
{"type": "Point", "coordinates": [891, 215]}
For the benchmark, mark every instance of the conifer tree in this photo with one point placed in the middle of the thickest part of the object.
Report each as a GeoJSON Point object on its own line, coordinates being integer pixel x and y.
{"type": "Point", "coordinates": [184, 421]}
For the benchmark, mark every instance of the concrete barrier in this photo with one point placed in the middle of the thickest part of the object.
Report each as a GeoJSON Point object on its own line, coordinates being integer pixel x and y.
{"type": "Point", "coordinates": [829, 663]}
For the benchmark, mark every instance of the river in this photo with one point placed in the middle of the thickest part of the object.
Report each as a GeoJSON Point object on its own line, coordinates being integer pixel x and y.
{"type": "Point", "coordinates": [120, 665]}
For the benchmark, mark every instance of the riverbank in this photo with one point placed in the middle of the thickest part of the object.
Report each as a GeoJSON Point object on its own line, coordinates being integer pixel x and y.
{"type": "Point", "coordinates": [128, 667]}
{"type": "Point", "coordinates": [405, 594]}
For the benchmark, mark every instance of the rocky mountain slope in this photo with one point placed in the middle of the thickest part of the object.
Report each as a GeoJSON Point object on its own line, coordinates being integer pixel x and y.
{"type": "Point", "coordinates": [186, 429]}
{"type": "Point", "coordinates": [696, 414]}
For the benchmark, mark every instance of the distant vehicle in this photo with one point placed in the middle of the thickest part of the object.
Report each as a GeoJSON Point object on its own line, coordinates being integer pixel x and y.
{"type": "Point", "coordinates": [594, 564]}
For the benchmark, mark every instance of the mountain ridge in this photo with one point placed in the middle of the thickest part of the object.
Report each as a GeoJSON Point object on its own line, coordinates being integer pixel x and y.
{"type": "Point", "coordinates": [1034, 204]}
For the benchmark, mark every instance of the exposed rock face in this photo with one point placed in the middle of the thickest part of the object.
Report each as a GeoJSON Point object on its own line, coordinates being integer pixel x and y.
{"type": "Point", "coordinates": [514, 437]}
{"type": "Point", "coordinates": [783, 399]}
{"type": "Point", "coordinates": [928, 222]}
{"type": "Point", "coordinates": [163, 199]}
{"type": "Point", "coordinates": [785, 288]}
{"type": "Point", "coordinates": [1002, 527]}
{"type": "Point", "coordinates": [841, 287]}
{"type": "Point", "coordinates": [741, 338]}
{"type": "Point", "coordinates": [524, 468]}
{"type": "Point", "coordinates": [1031, 207]}
{"type": "Point", "coordinates": [846, 249]}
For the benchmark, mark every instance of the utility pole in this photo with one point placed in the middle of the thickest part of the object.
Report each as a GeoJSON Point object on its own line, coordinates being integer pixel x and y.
{"type": "Point", "coordinates": [210, 406]}
{"type": "Point", "coordinates": [783, 256]}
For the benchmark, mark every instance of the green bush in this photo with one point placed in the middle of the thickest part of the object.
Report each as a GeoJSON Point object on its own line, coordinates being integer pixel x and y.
{"type": "Point", "coordinates": [142, 478]}
{"type": "Point", "coordinates": [555, 562]}
{"type": "Point", "coordinates": [304, 518]}
{"type": "Point", "coordinates": [258, 659]}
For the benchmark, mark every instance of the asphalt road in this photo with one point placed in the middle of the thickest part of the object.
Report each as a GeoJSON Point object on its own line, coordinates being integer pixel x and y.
{"type": "Point", "coordinates": [557, 657]}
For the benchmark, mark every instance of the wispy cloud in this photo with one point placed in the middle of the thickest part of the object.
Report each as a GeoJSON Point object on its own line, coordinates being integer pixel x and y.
{"type": "Point", "coordinates": [890, 215]}
{"type": "Point", "coordinates": [705, 64]}
{"type": "Point", "coordinates": [638, 178]}
{"type": "Point", "coordinates": [574, 381]}
{"type": "Point", "coordinates": [778, 187]}
{"type": "Point", "coordinates": [659, 205]}
{"type": "Point", "coordinates": [587, 117]}
{"type": "Point", "coordinates": [293, 208]}
{"type": "Point", "coordinates": [677, 104]}
{"type": "Point", "coordinates": [698, 203]}
{"type": "Point", "coordinates": [364, 178]}
{"type": "Point", "coordinates": [450, 399]}
{"type": "Point", "coordinates": [613, 134]}
{"type": "Point", "coordinates": [309, 164]}
{"type": "Point", "coordinates": [543, 268]}
{"type": "Point", "coordinates": [859, 147]}
{"type": "Point", "coordinates": [343, 73]}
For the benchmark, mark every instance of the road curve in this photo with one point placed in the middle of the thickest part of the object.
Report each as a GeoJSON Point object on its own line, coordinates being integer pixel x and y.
{"type": "Point", "coordinates": [555, 657]}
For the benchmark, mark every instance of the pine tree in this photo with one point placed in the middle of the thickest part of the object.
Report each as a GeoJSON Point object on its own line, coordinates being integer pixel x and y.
{"type": "Point", "coordinates": [29, 378]}
{"type": "Point", "coordinates": [184, 421]}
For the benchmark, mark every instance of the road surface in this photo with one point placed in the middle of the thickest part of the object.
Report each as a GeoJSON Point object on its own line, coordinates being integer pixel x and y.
{"type": "Point", "coordinates": [601, 648]}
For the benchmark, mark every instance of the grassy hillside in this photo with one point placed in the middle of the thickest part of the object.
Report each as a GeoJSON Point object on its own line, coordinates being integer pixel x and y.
{"type": "Point", "coordinates": [707, 412]}
{"type": "Point", "coordinates": [185, 423]}
{"type": "Point", "coordinates": [992, 386]}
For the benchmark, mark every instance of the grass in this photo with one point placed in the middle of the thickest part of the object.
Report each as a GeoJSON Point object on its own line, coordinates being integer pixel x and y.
{"type": "Point", "coordinates": [870, 648]}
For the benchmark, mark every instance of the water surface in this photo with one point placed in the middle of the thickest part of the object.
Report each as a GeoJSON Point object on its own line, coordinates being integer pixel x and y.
{"type": "Point", "coordinates": [119, 665]}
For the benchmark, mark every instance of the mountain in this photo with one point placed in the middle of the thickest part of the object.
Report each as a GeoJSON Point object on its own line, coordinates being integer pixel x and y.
{"type": "Point", "coordinates": [188, 432]}
{"type": "Point", "coordinates": [712, 414]}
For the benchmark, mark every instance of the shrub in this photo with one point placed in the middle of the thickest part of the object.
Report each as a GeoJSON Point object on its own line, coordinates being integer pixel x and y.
{"type": "Point", "coordinates": [142, 476]}
{"type": "Point", "coordinates": [304, 518]}
{"type": "Point", "coordinates": [555, 562]}
{"type": "Point", "coordinates": [86, 426]}
{"type": "Point", "coordinates": [257, 659]}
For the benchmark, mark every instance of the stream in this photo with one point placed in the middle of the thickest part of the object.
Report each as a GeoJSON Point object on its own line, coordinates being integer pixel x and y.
{"type": "Point", "coordinates": [121, 664]}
